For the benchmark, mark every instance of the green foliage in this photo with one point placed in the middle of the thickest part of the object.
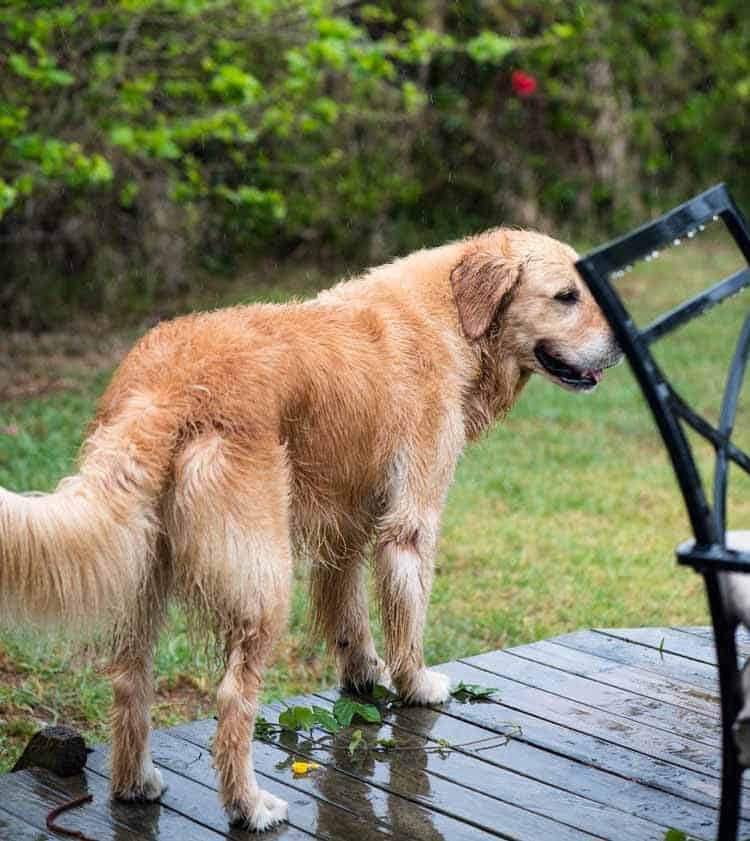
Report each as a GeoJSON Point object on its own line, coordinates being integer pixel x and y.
{"type": "Point", "coordinates": [299, 721]}
{"type": "Point", "coordinates": [303, 719]}
{"type": "Point", "coordinates": [356, 742]}
{"type": "Point", "coordinates": [490, 48]}
{"type": "Point", "coordinates": [216, 126]}
{"type": "Point", "coordinates": [140, 138]}
{"type": "Point", "coordinates": [325, 720]}
{"type": "Point", "coordinates": [472, 692]}
{"type": "Point", "coordinates": [383, 695]}
{"type": "Point", "coordinates": [297, 718]}
{"type": "Point", "coordinates": [346, 710]}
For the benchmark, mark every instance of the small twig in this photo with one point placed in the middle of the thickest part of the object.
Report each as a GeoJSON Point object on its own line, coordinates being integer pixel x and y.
{"type": "Point", "coordinates": [58, 810]}
{"type": "Point", "coordinates": [492, 738]}
{"type": "Point", "coordinates": [500, 744]}
{"type": "Point", "coordinates": [497, 740]}
{"type": "Point", "coordinates": [321, 740]}
{"type": "Point", "coordinates": [124, 45]}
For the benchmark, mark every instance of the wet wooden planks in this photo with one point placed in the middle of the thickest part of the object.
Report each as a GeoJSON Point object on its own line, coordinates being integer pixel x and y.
{"type": "Point", "coordinates": [611, 734]}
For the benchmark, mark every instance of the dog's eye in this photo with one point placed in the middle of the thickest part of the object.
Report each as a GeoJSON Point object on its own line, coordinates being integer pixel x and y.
{"type": "Point", "coordinates": [567, 296]}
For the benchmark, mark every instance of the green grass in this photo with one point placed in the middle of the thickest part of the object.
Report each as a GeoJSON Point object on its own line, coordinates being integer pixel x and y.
{"type": "Point", "coordinates": [563, 517]}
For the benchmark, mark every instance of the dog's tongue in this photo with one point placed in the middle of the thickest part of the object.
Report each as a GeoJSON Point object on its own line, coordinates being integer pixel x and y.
{"type": "Point", "coordinates": [596, 374]}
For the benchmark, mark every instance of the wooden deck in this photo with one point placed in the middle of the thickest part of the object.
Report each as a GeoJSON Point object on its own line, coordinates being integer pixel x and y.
{"type": "Point", "coordinates": [616, 737]}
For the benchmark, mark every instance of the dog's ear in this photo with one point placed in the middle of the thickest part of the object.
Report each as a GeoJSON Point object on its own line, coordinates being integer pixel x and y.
{"type": "Point", "coordinates": [483, 282]}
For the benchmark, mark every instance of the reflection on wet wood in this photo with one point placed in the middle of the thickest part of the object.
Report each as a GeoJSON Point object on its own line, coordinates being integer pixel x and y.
{"type": "Point", "coordinates": [418, 775]}
{"type": "Point", "coordinates": [471, 768]}
{"type": "Point", "coordinates": [190, 800]}
{"type": "Point", "coordinates": [612, 734]}
{"type": "Point", "coordinates": [638, 811]}
{"type": "Point", "coordinates": [579, 716]}
{"type": "Point", "coordinates": [12, 827]}
{"type": "Point", "coordinates": [373, 804]}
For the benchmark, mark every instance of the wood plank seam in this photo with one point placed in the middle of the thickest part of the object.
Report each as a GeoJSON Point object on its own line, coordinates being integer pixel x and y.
{"type": "Point", "coordinates": [712, 743]}
{"type": "Point", "coordinates": [664, 650]}
{"type": "Point", "coordinates": [714, 772]}
{"type": "Point", "coordinates": [600, 678]}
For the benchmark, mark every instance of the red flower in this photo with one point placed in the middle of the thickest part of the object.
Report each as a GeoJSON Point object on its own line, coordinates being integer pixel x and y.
{"type": "Point", "coordinates": [523, 84]}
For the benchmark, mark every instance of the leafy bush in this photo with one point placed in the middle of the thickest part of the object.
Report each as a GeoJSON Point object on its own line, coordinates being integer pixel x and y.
{"type": "Point", "coordinates": [141, 140]}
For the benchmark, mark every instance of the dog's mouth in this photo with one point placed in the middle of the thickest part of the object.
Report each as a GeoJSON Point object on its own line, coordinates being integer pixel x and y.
{"type": "Point", "coordinates": [578, 379]}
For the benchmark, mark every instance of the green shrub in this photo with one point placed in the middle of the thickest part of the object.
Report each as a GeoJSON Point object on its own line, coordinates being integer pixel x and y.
{"type": "Point", "coordinates": [141, 140]}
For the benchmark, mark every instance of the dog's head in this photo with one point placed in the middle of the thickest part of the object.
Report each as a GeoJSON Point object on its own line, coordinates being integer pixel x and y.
{"type": "Point", "coordinates": [521, 292]}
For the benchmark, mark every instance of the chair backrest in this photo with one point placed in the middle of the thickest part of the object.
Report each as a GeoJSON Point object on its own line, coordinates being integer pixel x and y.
{"type": "Point", "coordinates": [604, 265]}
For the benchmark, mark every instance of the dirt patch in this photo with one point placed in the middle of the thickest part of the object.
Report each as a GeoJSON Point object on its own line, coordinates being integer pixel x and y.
{"type": "Point", "coordinates": [10, 674]}
{"type": "Point", "coordinates": [184, 699]}
{"type": "Point", "coordinates": [32, 365]}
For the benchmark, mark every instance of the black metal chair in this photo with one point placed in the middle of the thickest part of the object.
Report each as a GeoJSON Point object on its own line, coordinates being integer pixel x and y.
{"type": "Point", "coordinates": [713, 551]}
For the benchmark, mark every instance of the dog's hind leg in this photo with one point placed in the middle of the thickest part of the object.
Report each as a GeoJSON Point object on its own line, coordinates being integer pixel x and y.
{"type": "Point", "coordinates": [134, 776]}
{"type": "Point", "coordinates": [249, 647]}
{"type": "Point", "coordinates": [338, 590]}
{"type": "Point", "coordinates": [231, 532]}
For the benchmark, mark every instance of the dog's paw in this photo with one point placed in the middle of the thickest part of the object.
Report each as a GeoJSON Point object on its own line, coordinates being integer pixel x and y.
{"type": "Point", "coordinates": [428, 688]}
{"type": "Point", "coordinates": [362, 676]}
{"type": "Point", "coordinates": [148, 791]}
{"type": "Point", "coordinates": [153, 785]}
{"type": "Point", "coordinates": [266, 812]}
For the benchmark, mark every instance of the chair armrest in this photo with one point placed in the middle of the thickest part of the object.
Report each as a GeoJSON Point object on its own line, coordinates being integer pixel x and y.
{"type": "Point", "coordinates": [714, 558]}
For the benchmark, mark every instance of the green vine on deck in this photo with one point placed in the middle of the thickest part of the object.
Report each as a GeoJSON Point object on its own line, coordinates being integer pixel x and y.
{"type": "Point", "coordinates": [298, 720]}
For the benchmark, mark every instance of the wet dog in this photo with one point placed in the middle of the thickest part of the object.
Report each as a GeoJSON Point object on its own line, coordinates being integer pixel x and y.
{"type": "Point", "coordinates": [229, 441]}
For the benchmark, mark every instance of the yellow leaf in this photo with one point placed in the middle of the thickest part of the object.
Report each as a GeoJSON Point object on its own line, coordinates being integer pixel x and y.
{"type": "Point", "coordinates": [300, 768]}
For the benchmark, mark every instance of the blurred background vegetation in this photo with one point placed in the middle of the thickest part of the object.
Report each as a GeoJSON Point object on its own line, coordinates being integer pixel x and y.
{"type": "Point", "coordinates": [149, 148]}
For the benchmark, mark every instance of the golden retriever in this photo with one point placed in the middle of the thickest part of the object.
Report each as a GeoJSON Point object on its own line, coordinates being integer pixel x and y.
{"type": "Point", "coordinates": [229, 441]}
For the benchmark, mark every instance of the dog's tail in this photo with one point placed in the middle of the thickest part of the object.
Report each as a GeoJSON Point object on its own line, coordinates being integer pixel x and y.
{"type": "Point", "coordinates": [84, 551]}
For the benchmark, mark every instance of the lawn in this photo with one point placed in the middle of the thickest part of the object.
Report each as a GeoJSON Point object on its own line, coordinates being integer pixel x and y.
{"type": "Point", "coordinates": [563, 517]}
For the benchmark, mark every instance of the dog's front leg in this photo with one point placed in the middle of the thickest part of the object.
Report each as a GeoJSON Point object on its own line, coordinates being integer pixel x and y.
{"type": "Point", "coordinates": [340, 614]}
{"type": "Point", "coordinates": [405, 563]}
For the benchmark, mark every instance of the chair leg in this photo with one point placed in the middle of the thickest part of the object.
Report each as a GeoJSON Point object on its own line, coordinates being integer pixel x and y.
{"type": "Point", "coordinates": [731, 703]}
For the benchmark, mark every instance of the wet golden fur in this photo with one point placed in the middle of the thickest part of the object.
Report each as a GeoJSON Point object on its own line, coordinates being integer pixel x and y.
{"type": "Point", "coordinates": [228, 441]}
